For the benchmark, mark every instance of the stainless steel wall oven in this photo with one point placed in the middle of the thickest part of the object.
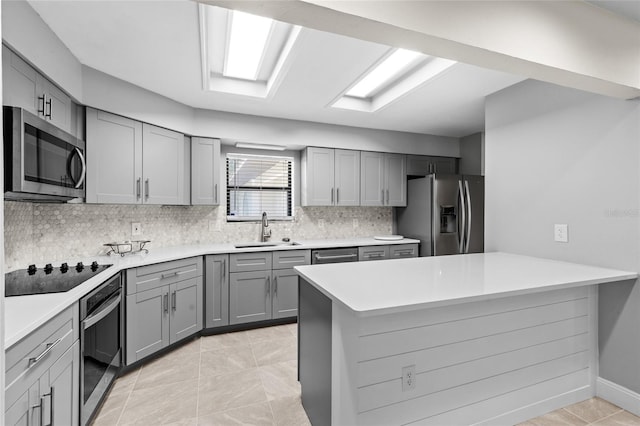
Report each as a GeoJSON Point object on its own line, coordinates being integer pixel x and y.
{"type": "Point", "coordinates": [100, 344]}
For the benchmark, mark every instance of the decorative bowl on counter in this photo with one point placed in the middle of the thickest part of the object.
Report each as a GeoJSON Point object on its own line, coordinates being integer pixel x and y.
{"type": "Point", "coordinates": [124, 247]}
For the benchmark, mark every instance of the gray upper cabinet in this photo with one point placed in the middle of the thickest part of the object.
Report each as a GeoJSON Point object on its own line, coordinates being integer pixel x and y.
{"type": "Point", "coordinates": [330, 177]}
{"type": "Point", "coordinates": [205, 171]}
{"type": "Point", "coordinates": [26, 88]}
{"type": "Point", "coordinates": [422, 165]}
{"type": "Point", "coordinates": [216, 290]}
{"type": "Point", "coordinates": [129, 162]}
{"type": "Point", "coordinates": [383, 179]}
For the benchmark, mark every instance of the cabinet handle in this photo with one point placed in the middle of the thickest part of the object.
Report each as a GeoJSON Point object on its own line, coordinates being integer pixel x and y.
{"type": "Point", "coordinates": [275, 285]}
{"type": "Point", "coordinates": [387, 196]}
{"type": "Point", "coordinates": [170, 274]}
{"type": "Point", "coordinates": [50, 395]}
{"type": "Point", "coordinates": [268, 286]}
{"type": "Point", "coordinates": [215, 192]}
{"type": "Point", "coordinates": [48, 114]}
{"type": "Point", "coordinates": [331, 195]}
{"type": "Point", "coordinates": [337, 196]}
{"type": "Point", "coordinates": [382, 197]}
{"type": "Point", "coordinates": [146, 188]}
{"type": "Point", "coordinates": [174, 301]}
{"type": "Point", "coordinates": [165, 300]}
{"type": "Point", "coordinates": [41, 98]}
{"type": "Point", "coordinates": [49, 348]}
{"type": "Point", "coordinates": [138, 188]}
{"type": "Point", "coordinates": [39, 406]}
{"type": "Point", "coordinates": [224, 268]}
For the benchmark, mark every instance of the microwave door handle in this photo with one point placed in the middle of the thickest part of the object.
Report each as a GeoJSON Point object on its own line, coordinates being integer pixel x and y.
{"type": "Point", "coordinates": [84, 168]}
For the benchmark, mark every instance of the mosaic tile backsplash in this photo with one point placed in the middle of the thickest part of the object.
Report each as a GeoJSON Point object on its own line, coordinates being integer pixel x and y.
{"type": "Point", "coordinates": [40, 233]}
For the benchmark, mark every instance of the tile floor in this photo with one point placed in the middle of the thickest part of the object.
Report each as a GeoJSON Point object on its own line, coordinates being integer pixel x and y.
{"type": "Point", "coordinates": [249, 378]}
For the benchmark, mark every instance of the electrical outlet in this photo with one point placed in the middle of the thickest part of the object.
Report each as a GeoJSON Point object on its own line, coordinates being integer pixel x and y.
{"type": "Point", "coordinates": [408, 378]}
{"type": "Point", "coordinates": [561, 233]}
{"type": "Point", "coordinates": [136, 228]}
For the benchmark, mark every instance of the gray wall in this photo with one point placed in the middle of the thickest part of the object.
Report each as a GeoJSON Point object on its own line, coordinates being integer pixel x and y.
{"type": "Point", "coordinates": [558, 155]}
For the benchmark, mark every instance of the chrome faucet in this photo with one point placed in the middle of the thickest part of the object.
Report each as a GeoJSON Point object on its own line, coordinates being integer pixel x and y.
{"type": "Point", "coordinates": [266, 233]}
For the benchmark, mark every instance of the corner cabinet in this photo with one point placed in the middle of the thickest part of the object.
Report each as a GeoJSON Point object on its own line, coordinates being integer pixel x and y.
{"type": "Point", "coordinates": [383, 180]}
{"type": "Point", "coordinates": [205, 171]}
{"type": "Point", "coordinates": [26, 88]}
{"type": "Point", "coordinates": [42, 374]}
{"type": "Point", "coordinates": [129, 162]}
{"type": "Point", "coordinates": [163, 306]}
{"type": "Point", "coordinates": [330, 177]}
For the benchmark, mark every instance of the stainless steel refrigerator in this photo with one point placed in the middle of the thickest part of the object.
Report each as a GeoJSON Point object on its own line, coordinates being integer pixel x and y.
{"type": "Point", "coordinates": [445, 212]}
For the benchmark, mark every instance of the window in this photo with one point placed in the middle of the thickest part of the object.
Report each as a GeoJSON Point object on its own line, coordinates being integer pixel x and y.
{"type": "Point", "coordinates": [256, 184]}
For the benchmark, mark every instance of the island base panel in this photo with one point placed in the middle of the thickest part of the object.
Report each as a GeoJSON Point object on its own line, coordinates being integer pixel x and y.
{"type": "Point", "coordinates": [314, 353]}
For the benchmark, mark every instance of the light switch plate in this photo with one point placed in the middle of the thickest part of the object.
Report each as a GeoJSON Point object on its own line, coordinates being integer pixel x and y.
{"type": "Point", "coordinates": [561, 233]}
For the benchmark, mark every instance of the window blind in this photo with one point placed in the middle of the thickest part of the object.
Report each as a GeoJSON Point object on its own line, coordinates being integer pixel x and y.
{"type": "Point", "coordinates": [257, 184]}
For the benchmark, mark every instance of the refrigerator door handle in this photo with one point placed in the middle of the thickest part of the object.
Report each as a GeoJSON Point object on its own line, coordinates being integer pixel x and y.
{"type": "Point", "coordinates": [468, 203]}
{"type": "Point", "coordinates": [463, 225]}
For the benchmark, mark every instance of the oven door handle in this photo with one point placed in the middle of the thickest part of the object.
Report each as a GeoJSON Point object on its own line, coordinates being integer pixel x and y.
{"type": "Point", "coordinates": [112, 303]}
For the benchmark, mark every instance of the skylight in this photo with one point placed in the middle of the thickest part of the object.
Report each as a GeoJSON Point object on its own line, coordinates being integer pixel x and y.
{"type": "Point", "coordinates": [384, 73]}
{"type": "Point", "coordinates": [247, 40]}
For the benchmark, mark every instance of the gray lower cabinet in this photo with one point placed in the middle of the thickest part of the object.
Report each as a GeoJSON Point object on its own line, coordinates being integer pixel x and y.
{"type": "Point", "coordinates": [163, 306]}
{"type": "Point", "coordinates": [394, 251]}
{"type": "Point", "coordinates": [216, 290]}
{"type": "Point", "coordinates": [43, 375]}
{"type": "Point", "coordinates": [271, 291]}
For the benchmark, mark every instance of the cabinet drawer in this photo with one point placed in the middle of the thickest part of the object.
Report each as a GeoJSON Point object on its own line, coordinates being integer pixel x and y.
{"type": "Point", "coordinates": [290, 258]}
{"type": "Point", "coordinates": [242, 262]}
{"type": "Point", "coordinates": [153, 276]}
{"type": "Point", "coordinates": [403, 250]}
{"type": "Point", "coordinates": [373, 253]}
{"type": "Point", "coordinates": [34, 354]}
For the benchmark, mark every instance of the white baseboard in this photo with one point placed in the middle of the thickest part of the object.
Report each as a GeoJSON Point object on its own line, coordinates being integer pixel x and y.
{"type": "Point", "coordinates": [618, 395]}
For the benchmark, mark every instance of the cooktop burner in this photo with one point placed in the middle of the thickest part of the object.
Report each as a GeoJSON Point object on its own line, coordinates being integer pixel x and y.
{"type": "Point", "coordinates": [62, 278]}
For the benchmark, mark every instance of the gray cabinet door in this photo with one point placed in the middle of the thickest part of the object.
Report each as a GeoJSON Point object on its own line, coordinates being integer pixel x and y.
{"type": "Point", "coordinates": [444, 165]}
{"type": "Point", "coordinates": [163, 166]}
{"type": "Point", "coordinates": [285, 293]}
{"type": "Point", "coordinates": [318, 177]}
{"type": "Point", "coordinates": [372, 178]}
{"type": "Point", "coordinates": [395, 180]}
{"type": "Point", "coordinates": [61, 395]}
{"type": "Point", "coordinates": [205, 171]}
{"type": "Point", "coordinates": [347, 177]}
{"type": "Point", "coordinates": [401, 251]}
{"type": "Point", "coordinates": [147, 323]}
{"type": "Point", "coordinates": [186, 309]}
{"type": "Point", "coordinates": [114, 159]}
{"type": "Point", "coordinates": [20, 412]}
{"type": "Point", "coordinates": [373, 253]}
{"type": "Point", "coordinates": [249, 296]}
{"type": "Point", "coordinates": [19, 82]}
{"type": "Point", "coordinates": [216, 291]}
{"type": "Point", "coordinates": [58, 105]}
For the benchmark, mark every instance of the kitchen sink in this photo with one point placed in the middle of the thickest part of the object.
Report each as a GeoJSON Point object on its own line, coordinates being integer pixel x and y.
{"type": "Point", "coordinates": [267, 244]}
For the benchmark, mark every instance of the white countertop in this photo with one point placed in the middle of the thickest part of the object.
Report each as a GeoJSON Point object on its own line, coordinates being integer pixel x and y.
{"type": "Point", "coordinates": [24, 314]}
{"type": "Point", "coordinates": [387, 286]}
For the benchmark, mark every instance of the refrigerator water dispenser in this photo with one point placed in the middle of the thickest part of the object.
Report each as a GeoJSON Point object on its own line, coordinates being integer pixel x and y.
{"type": "Point", "coordinates": [448, 220]}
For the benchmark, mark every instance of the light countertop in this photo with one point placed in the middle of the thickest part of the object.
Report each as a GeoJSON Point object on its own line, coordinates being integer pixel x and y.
{"type": "Point", "coordinates": [24, 314]}
{"type": "Point", "coordinates": [374, 288]}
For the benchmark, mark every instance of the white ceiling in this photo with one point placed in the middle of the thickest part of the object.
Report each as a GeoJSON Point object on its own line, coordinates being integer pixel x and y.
{"type": "Point", "coordinates": [156, 45]}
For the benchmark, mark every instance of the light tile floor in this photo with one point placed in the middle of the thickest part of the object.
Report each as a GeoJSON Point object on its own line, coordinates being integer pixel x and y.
{"type": "Point", "coordinates": [249, 378]}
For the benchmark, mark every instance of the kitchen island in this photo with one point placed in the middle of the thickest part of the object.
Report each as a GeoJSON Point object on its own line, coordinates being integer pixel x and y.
{"type": "Point", "coordinates": [489, 338]}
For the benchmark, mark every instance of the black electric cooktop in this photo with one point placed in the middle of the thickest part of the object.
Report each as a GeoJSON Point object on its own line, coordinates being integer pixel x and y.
{"type": "Point", "coordinates": [49, 279]}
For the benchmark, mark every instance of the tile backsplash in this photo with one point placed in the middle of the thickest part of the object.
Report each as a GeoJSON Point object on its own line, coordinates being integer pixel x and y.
{"type": "Point", "coordinates": [40, 233]}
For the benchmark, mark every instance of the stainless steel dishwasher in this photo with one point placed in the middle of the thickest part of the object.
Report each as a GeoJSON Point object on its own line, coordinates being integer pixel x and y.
{"type": "Point", "coordinates": [334, 255]}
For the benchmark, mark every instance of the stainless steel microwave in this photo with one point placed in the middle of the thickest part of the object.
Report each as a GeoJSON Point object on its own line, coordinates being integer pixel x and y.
{"type": "Point", "coordinates": [41, 162]}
